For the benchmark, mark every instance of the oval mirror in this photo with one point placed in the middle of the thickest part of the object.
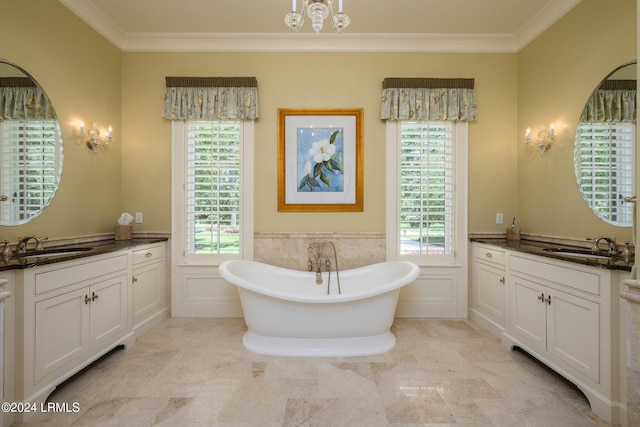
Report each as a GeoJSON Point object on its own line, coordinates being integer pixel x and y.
{"type": "Point", "coordinates": [604, 149]}
{"type": "Point", "coordinates": [30, 147]}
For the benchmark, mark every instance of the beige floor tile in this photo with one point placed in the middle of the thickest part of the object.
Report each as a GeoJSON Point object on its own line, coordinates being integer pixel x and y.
{"type": "Point", "coordinates": [195, 372]}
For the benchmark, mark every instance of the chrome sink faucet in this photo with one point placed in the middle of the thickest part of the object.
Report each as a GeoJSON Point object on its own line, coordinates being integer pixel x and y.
{"type": "Point", "coordinates": [612, 246]}
{"type": "Point", "coordinates": [21, 247]}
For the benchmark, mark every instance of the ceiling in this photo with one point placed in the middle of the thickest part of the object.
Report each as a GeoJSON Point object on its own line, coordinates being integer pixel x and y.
{"type": "Point", "coordinates": [376, 25]}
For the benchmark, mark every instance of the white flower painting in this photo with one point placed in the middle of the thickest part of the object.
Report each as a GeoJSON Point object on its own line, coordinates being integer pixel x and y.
{"type": "Point", "coordinates": [320, 153]}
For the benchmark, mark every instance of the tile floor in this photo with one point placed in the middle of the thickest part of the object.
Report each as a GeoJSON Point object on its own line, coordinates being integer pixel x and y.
{"type": "Point", "coordinates": [195, 372]}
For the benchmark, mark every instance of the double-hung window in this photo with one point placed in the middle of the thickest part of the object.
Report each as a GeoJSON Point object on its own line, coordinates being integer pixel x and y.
{"type": "Point", "coordinates": [214, 221]}
{"type": "Point", "coordinates": [427, 190]}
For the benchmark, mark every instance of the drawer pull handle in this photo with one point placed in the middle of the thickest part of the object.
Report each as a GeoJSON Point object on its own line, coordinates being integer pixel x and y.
{"type": "Point", "coordinates": [548, 300]}
{"type": "Point", "coordinates": [134, 279]}
{"type": "Point", "coordinates": [94, 296]}
{"type": "Point", "coordinates": [541, 297]}
{"type": "Point", "coordinates": [488, 255]}
{"type": "Point", "coordinates": [87, 299]}
{"type": "Point", "coordinates": [502, 280]}
{"type": "Point", "coordinates": [148, 255]}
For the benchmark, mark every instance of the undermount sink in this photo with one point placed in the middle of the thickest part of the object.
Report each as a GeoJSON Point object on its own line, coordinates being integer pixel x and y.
{"type": "Point", "coordinates": [577, 253]}
{"type": "Point", "coordinates": [52, 252]}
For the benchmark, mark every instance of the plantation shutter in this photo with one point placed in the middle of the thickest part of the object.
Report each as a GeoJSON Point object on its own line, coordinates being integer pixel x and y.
{"type": "Point", "coordinates": [426, 188]}
{"type": "Point", "coordinates": [605, 163]}
{"type": "Point", "coordinates": [213, 187]}
{"type": "Point", "coordinates": [28, 166]}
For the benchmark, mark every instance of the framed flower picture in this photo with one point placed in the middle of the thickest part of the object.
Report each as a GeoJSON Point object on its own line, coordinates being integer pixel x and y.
{"type": "Point", "coordinates": [320, 160]}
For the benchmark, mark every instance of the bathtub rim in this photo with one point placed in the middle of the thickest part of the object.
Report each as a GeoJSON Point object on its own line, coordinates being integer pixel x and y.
{"type": "Point", "coordinates": [225, 273]}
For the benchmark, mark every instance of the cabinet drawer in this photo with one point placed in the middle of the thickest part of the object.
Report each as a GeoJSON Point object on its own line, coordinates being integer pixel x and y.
{"type": "Point", "coordinates": [566, 276]}
{"type": "Point", "coordinates": [484, 253]}
{"type": "Point", "coordinates": [155, 253]}
{"type": "Point", "coordinates": [65, 276]}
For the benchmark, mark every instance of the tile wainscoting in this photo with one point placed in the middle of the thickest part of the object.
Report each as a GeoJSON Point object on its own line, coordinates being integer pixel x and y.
{"type": "Point", "coordinates": [290, 250]}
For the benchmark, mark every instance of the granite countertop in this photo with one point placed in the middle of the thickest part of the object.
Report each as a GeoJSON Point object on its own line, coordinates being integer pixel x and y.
{"type": "Point", "coordinates": [94, 248]}
{"type": "Point", "coordinates": [534, 247]}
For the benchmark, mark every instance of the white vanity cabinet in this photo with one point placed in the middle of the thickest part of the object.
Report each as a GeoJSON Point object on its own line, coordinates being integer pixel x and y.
{"type": "Point", "coordinates": [67, 315]}
{"type": "Point", "coordinates": [78, 321]}
{"type": "Point", "coordinates": [488, 287]}
{"type": "Point", "coordinates": [566, 314]}
{"type": "Point", "coordinates": [70, 313]}
{"type": "Point", "coordinates": [148, 282]}
{"type": "Point", "coordinates": [557, 316]}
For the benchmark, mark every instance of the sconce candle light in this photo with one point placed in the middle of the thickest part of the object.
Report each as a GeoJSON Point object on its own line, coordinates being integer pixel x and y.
{"type": "Point", "coordinates": [545, 138]}
{"type": "Point", "coordinates": [94, 136]}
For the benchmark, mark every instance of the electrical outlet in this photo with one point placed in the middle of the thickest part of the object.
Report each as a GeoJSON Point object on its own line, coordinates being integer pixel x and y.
{"type": "Point", "coordinates": [138, 217]}
{"type": "Point", "coordinates": [499, 218]}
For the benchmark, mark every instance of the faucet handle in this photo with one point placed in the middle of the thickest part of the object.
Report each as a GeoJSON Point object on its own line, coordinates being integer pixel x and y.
{"type": "Point", "coordinates": [39, 241]}
{"type": "Point", "coordinates": [595, 240]}
{"type": "Point", "coordinates": [6, 250]}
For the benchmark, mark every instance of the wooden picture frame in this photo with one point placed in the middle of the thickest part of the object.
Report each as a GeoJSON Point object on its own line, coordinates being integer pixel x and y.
{"type": "Point", "coordinates": [320, 160]}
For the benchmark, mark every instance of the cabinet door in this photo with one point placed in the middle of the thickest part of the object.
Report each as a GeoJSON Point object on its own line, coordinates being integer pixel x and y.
{"type": "Point", "coordinates": [108, 308]}
{"type": "Point", "coordinates": [489, 291]}
{"type": "Point", "coordinates": [61, 330]}
{"type": "Point", "coordinates": [528, 312]}
{"type": "Point", "coordinates": [573, 332]}
{"type": "Point", "coordinates": [148, 290]}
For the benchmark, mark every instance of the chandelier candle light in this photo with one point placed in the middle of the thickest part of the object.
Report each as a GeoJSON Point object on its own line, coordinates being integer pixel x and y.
{"type": "Point", "coordinates": [318, 11]}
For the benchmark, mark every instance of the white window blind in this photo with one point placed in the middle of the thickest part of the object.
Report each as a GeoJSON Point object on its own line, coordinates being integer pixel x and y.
{"type": "Point", "coordinates": [605, 166]}
{"type": "Point", "coordinates": [212, 187]}
{"type": "Point", "coordinates": [426, 174]}
{"type": "Point", "coordinates": [28, 166]}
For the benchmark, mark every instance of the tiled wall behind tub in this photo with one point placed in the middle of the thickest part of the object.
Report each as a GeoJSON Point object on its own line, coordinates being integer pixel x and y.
{"type": "Point", "coordinates": [290, 250]}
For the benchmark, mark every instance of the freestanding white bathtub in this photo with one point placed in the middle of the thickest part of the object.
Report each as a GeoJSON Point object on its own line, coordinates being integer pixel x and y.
{"type": "Point", "coordinates": [288, 314]}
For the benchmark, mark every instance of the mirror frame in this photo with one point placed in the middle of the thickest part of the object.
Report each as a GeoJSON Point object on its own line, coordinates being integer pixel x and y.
{"type": "Point", "coordinates": [576, 159]}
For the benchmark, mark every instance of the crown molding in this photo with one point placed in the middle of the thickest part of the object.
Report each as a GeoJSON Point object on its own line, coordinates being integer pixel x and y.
{"type": "Point", "coordinates": [538, 24]}
{"type": "Point", "coordinates": [96, 20]}
{"type": "Point", "coordinates": [296, 42]}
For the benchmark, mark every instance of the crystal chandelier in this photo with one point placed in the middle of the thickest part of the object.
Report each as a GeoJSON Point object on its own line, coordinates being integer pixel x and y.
{"type": "Point", "coordinates": [318, 11]}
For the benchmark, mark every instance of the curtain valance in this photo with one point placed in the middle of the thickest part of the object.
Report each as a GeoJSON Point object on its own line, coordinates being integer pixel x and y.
{"type": "Point", "coordinates": [22, 99]}
{"type": "Point", "coordinates": [428, 99]}
{"type": "Point", "coordinates": [613, 102]}
{"type": "Point", "coordinates": [211, 98]}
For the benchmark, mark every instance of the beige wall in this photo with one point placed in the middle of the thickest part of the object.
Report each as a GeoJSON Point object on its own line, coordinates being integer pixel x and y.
{"type": "Point", "coordinates": [318, 80]}
{"type": "Point", "coordinates": [81, 74]}
{"type": "Point", "coordinates": [87, 78]}
{"type": "Point", "coordinates": [556, 74]}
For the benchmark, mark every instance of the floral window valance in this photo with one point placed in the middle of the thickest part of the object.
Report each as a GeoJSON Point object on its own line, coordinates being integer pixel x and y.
{"type": "Point", "coordinates": [22, 99]}
{"type": "Point", "coordinates": [613, 102]}
{"type": "Point", "coordinates": [428, 99]}
{"type": "Point", "coordinates": [211, 98]}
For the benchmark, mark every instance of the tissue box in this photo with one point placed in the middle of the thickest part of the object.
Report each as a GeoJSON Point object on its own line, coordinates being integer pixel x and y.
{"type": "Point", "coordinates": [513, 233]}
{"type": "Point", "coordinates": [124, 232]}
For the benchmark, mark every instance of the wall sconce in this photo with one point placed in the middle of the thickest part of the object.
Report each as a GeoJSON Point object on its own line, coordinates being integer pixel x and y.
{"type": "Point", "coordinates": [94, 136]}
{"type": "Point", "coordinates": [545, 138]}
